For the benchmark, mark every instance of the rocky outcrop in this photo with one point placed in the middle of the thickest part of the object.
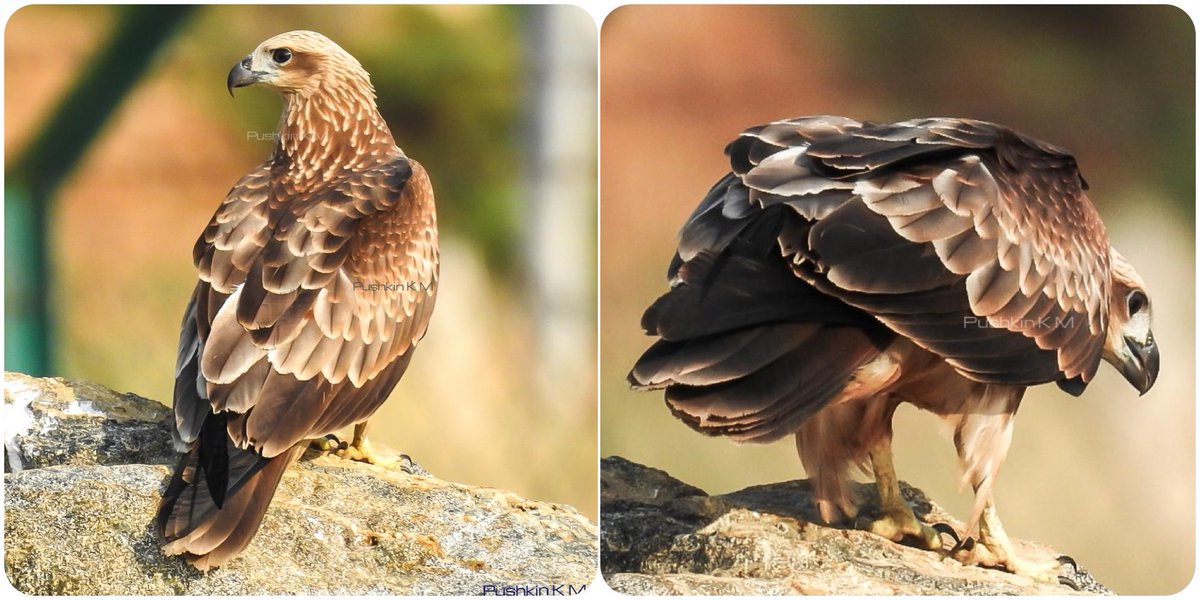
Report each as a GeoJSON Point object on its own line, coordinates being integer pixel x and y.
{"type": "Point", "coordinates": [59, 422]}
{"type": "Point", "coordinates": [660, 536]}
{"type": "Point", "coordinates": [89, 465]}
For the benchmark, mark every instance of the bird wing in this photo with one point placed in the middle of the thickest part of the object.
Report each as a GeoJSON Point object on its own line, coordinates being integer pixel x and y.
{"type": "Point", "coordinates": [310, 303]}
{"type": "Point", "coordinates": [974, 241]}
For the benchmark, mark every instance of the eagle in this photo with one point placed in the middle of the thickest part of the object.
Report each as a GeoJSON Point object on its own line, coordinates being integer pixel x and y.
{"type": "Point", "coordinates": [842, 267]}
{"type": "Point", "coordinates": [317, 279]}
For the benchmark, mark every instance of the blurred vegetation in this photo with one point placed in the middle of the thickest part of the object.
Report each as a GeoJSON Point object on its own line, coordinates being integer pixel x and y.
{"type": "Point", "coordinates": [1054, 69]}
{"type": "Point", "coordinates": [448, 84]}
{"type": "Point", "coordinates": [36, 173]}
{"type": "Point", "coordinates": [453, 85]}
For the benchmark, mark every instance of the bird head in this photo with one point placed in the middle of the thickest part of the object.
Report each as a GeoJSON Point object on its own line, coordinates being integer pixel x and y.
{"type": "Point", "coordinates": [297, 63]}
{"type": "Point", "coordinates": [1129, 345]}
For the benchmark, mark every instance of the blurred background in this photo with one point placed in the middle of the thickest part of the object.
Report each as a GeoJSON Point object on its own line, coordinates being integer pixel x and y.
{"type": "Point", "coordinates": [121, 141]}
{"type": "Point", "coordinates": [1109, 477]}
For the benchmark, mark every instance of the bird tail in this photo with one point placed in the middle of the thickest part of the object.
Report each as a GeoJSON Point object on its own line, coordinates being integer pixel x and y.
{"type": "Point", "coordinates": [757, 384]}
{"type": "Point", "coordinates": [217, 497]}
{"type": "Point", "coordinates": [746, 349]}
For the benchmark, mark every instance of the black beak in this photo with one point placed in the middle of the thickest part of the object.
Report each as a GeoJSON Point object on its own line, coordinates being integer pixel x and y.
{"type": "Point", "coordinates": [1143, 369]}
{"type": "Point", "coordinates": [240, 75]}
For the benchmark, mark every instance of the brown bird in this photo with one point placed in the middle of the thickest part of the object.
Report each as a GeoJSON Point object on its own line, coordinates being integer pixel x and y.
{"type": "Point", "coordinates": [318, 275]}
{"type": "Point", "coordinates": [842, 268]}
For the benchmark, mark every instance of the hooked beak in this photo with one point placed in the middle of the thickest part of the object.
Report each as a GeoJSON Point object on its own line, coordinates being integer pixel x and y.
{"type": "Point", "coordinates": [1141, 367]}
{"type": "Point", "coordinates": [241, 76]}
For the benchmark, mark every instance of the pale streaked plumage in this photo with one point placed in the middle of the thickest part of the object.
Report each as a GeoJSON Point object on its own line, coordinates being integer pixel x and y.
{"type": "Point", "coordinates": [842, 268]}
{"type": "Point", "coordinates": [285, 339]}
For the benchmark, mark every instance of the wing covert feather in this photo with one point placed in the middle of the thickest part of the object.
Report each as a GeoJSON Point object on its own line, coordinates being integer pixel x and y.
{"type": "Point", "coordinates": [308, 301]}
{"type": "Point", "coordinates": [918, 215]}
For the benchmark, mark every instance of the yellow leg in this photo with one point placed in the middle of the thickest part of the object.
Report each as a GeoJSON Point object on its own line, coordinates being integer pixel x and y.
{"type": "Point", "coordinates": [360, 449]}
{"type": "Point", "coordinates": [328, 443]}
{"type": "Point", "coordinates": [896, 520]}
{"type": "Point", "coordinates": [995, 549]}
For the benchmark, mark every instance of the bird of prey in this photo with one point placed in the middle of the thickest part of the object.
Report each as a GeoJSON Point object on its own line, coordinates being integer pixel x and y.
{"type": "Point", "coordinates": [842, 268]}
{"type": "Point", "coordinates": [318, 275]}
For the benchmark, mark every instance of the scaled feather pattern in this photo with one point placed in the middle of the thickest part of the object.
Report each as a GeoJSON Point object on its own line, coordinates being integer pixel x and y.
{"type": "Point", "coordinates": [317, 279]}
{"type": "Point", "coordinates": [843, 267]}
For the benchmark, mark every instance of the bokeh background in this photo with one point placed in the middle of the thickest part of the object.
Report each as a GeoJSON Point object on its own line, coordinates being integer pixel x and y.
{"type": "Point", "coordinates": [498, 103]}
{"type": "Point", "coordinates": [1109, 477]}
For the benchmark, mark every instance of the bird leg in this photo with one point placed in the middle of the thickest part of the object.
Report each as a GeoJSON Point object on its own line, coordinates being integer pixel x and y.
{"type": "Point", "coordinates": [895, 520]}
{"type": "Point", "coordinates": [996, 550]}
{"type": "Point", "coordinates": [361, 450]}
{"type": "Point", "coordinates": [329, 444]}
{"type": "Point", "coordinates": [982, 434]}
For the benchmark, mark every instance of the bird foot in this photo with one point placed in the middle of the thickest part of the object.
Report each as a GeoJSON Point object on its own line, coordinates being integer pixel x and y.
{"type": "Point", "coordinates": [972, 553]}
{"type": "Point", "coordinates": [368, 454]}
{"type": "Point", "coordinates": [329, 444]}
{"type": "Point", "coordinates": [372, 456]}
{"type": "Point", "coordinates": [904, 527]}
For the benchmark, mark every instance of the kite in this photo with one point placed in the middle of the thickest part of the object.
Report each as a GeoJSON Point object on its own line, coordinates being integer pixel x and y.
{"type": "Point", "coordinates": [318, 275]}
{"type": "Point", "coordinates": [842, 268]}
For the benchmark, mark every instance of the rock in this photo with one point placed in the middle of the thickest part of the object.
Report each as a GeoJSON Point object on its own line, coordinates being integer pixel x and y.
{"type": "Point", "coordinates": [661, 536]}
{"type": "Point", "coordinates": [55, 421]}
{"type": "Point", "coordinates": [334, 527]}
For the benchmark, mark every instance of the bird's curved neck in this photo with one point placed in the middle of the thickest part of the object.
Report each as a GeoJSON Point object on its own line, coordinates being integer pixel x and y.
{"type": "Point", "coordinates": [333, 129]}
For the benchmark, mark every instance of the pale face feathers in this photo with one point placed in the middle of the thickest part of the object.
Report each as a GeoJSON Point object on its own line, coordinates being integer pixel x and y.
{"type": "Point", "coordinates": [1129, 345]}
{"type": "Point", "coordinates": [300, 63]}
{"type": "Point", "coordinates": [330, 122]}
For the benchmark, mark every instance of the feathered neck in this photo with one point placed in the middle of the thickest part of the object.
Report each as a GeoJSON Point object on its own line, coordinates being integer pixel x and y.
{"type": "Point", "coordinates": [332, 128]}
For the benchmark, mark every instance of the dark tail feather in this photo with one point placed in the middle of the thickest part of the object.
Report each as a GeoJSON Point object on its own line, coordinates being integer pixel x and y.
{"type": "Point", "coordinates": [189, 519]}
{"type": "Point", "coordinates": [757, 385]}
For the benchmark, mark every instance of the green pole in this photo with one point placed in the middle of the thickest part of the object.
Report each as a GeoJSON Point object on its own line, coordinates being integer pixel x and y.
{"type": "Point", "coordinates": [33, 178]}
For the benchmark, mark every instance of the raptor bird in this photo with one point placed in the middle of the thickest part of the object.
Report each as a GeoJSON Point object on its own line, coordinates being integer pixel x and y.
{"type": "Point", "coordinates": [844, 267]}
{"type": "Point", "coordinates": [318, 275]}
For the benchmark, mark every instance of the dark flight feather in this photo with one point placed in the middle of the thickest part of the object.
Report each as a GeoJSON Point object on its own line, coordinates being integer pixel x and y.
{"type": "Point", "coordinates": [922, 230]}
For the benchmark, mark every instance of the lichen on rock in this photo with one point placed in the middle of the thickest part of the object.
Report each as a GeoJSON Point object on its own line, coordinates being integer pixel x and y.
{"type": "Point", "coordinates": [55, 421]}
{"type": "Point", "coordinates": [79, 512]}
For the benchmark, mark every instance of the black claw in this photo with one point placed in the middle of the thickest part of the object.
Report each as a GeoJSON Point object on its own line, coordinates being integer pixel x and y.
{"type": "Point", "coordinates": [959, 542]}
{"type": "Point", "coordinates": [946, 529]}
{"type": "Point", "coordinates": [324, 444]}
{"type": "Point", "coordinates": [1070, 582]}
{"type": "Point", "coordinates": [1067, 581]}
{"type": "Point", "coordinates": [410, 466]}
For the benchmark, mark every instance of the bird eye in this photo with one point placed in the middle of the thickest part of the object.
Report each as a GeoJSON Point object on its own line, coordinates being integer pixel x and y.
{"type": "Point", "coordinates": [281, 55]}
{"type": "Point", "coordinates": [1137, 302]}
